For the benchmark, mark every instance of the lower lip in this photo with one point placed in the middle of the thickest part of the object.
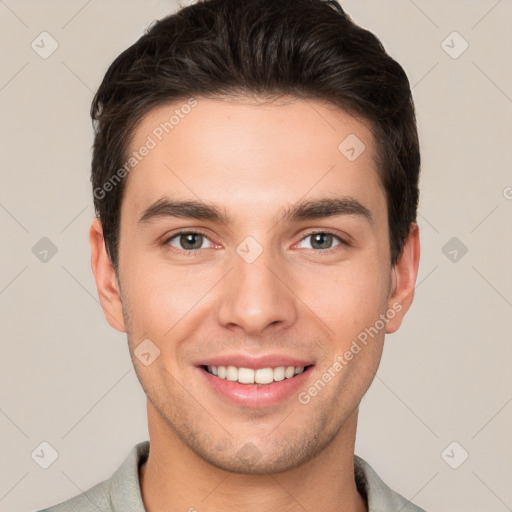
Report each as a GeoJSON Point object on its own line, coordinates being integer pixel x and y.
{"type": "Point", "coordinates": [256, 395]}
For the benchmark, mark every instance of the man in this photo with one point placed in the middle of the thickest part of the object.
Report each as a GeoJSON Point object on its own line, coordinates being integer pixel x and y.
{"type": "Point", "coordinates": [255, 177]}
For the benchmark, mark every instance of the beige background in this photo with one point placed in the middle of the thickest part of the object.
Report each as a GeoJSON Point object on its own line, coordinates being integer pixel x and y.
{"type": "Point", "coordinates": [66, 376]}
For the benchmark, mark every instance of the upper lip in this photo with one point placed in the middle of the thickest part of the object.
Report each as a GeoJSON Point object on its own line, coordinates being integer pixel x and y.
{"type": "Point", "coordinates": [254, 362]}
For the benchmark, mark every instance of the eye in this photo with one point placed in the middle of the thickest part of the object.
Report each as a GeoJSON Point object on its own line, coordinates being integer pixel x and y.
{"type": "Point", "coordinates": [322, 240]}
{"type": "Point", "coordinates": [188, 241]}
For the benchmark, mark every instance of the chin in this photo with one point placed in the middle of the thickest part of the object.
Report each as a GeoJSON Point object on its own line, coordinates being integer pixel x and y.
{"type": "Point", "coordinates": [252, 458]}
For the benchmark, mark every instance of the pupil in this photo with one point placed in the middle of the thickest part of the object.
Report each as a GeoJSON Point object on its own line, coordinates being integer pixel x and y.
{"type": "Point", "coordinates": [322, 237]}
{"type": "Point", "coordinates": [189, 238]}
{"type": "Point", "coordinates": [319, 239]}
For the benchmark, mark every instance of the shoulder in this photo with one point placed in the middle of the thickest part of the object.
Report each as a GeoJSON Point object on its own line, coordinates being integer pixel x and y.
{"type": "Point", "coordinates": [118, 493]}
{"type": "Point", "coordinates": [94, 499]}
{"type": "Point", "coordinates": [380, 497]}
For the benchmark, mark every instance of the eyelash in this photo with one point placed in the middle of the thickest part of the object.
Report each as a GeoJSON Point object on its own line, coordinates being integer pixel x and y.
{"type": "Point", "coordinates": [199, 232]}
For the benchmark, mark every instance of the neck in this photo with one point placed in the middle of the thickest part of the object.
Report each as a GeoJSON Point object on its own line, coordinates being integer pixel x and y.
{"type": "Point", "coordinates": [174, 474]}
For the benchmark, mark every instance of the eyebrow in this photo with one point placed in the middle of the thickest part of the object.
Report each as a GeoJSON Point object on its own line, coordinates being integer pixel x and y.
{"type": "Point", "coordinates": [305, 210]}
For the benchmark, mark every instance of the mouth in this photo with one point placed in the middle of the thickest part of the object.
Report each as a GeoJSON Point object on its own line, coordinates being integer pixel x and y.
{"type": "Point", "coordinates": [258, 376]}
{"type": "Point", "coordinates": [265, 384]}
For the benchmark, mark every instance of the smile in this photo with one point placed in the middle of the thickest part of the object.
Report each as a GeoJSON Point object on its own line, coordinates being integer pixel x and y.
{"type": "Point", "coordinates": [266, 375]}
{"type": "Point", "coordinates": [256, 382]}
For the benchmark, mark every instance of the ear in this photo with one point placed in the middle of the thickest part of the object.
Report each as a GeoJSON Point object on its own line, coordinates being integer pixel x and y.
{"type": "Point", "coordinates": [105, 277]}
{"type": "Point", "coordinates": [403, 282]}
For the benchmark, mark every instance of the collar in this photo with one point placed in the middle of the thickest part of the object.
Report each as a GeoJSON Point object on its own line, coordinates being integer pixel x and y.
{"type": "Point", "coordinates": [125, 492]}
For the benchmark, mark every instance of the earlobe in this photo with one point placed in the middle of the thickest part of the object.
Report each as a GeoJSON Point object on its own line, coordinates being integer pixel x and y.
{"type": "Point", "coordinates": [404, 276]}
{"type": "Point", "coordinates": [106, 278]}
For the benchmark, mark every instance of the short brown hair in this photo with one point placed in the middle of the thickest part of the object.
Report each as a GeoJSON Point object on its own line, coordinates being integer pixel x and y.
{"type": "Point", "coordinates": [308, 49]}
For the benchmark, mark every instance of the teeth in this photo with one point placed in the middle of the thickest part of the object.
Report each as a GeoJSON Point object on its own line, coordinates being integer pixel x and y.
{"type": "Point", "coordinates": [231, 373]}
{"type": "Point", "coordinates": [264, 376]}
{"type": "Point", "coordinates": [279, 373]}
{"type": "Point", "coordinates": [289, 372]}
{"type": "Point", "coordinates": [246, 376]}
{"type": "Point", "coordinates": [259, 376]}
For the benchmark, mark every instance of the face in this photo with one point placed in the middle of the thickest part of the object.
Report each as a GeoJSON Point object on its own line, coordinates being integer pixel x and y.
{"type": "Point", "coordinates": [253, 260]}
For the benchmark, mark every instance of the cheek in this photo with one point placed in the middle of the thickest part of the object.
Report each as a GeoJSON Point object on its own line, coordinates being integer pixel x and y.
{"type": "Point", "coordinates": [161, 296]}
{"type": "Point", "coordinates": [164, 299]}
{"type": "Point", "coordinates": [347, 299]}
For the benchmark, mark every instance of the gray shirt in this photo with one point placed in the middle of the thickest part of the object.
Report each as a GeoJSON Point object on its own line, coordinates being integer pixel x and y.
{"type": "Point", "coordinates": [121, 492]}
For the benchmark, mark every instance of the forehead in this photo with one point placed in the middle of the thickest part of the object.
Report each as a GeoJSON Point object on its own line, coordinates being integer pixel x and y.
{"type": "Point", "coordinates": [246, 154]}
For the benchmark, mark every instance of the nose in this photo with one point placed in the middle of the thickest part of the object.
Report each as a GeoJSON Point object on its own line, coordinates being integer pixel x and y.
{"type": "Point", "coordinates": [256, 295]}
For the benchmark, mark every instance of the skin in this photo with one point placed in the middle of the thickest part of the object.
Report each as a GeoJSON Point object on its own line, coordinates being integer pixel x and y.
{"type": "Point", "coordinates": [298, 298]}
